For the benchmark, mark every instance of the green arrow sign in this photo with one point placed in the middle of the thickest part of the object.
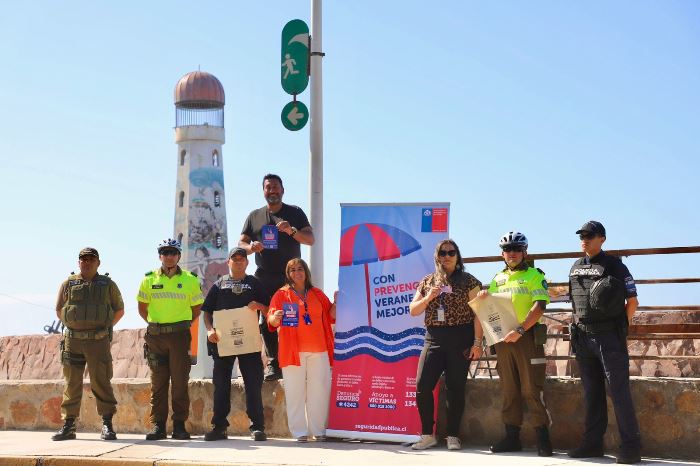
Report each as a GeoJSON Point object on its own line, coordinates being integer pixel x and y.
{"type": "Point", "coordinates": [295, 57]}
{"type": "Point", "coordinates": [295, 115]}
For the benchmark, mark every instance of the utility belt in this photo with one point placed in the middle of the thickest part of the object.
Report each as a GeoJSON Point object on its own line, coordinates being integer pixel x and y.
{"type": "Point", "coordinates": [596, 327]}
{"type": "Point", "coordinates": [88, 334]}
{"type": "Point", "coordinates": [155, 328]}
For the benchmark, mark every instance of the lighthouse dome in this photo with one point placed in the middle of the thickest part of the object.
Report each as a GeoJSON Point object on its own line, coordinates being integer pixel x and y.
{"type": "Point", "coordinates": [199, 89]}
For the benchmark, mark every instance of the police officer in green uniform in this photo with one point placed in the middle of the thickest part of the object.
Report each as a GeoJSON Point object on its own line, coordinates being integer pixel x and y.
{"type": "Point", "coordinates": [521, 363]}
{"type": "Point", "coordinates": [169, 300]}
{"type": "Point", "coordinates": [89, 305]}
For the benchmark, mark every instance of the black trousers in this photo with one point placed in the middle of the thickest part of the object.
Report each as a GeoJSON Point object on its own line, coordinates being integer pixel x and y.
{"type": "Point", "coordinates": [603, 357]}
{"type": "Point", "coordinates": [252, 371]}
{"type": "Point", "coordinates": [443, 351]}
{"type": "Point", "coordinates": [272, 283]}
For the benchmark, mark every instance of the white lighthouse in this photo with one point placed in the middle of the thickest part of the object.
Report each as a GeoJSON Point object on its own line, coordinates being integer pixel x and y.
{"type": "Point", "coordinates": [200, 206]}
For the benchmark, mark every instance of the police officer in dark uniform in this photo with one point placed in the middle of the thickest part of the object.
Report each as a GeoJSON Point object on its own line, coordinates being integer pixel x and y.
{"type": "Point", "coordinates": [89, 305]}
{"type": "Point", "coordinates": [234, 291]}
{"type": "Point", "coordinates": [604, 298]}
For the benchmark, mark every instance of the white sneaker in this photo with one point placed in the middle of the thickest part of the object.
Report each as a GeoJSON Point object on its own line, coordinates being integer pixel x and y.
{"type": "Point", "coordinates": [453, 443]}
{"type": "Point", "coordinates": [426, 441]}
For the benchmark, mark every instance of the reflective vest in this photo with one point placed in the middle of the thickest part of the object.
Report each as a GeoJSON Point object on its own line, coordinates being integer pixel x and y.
{"type": "Point", "coordinates": [596, 295]}
{"type": "Point", "coordinates": [88, 306]}
{"type": "Point", "coordinates": [170, 299]}
{"type": "Point", "coordinates": [525, 287]}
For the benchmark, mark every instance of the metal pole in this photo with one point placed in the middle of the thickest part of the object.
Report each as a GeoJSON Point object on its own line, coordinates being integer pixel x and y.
{"type": "Point", "coordinates": [316, 145]}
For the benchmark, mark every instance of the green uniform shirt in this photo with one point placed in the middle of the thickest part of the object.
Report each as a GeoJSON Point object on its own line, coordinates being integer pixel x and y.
{"type": "Point", "coordinates": [526, 287]}
{"type": "Point", "coordinates": [170, 299]}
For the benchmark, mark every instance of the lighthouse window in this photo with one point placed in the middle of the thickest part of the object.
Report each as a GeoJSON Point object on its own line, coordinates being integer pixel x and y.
{"type": "Point", "coordinates": [182, 157]}
{"type": "Point", "coordinates": [218, 242]}
{"type": "Point", "coordinates": [215, 158]}
{"type": "Point", "coordinates": [217, 199]}
{"type": "Point", "coordinates": [181, 202]}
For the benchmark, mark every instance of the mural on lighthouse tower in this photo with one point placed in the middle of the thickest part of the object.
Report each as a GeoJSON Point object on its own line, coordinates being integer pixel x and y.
{"type": "Point", "coordinates": [200, 206]}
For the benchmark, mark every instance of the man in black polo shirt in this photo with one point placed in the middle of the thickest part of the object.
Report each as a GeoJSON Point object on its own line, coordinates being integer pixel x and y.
{"type": "Point", "coordinates": [275, 234]}
{"type": "Point", "coordinates": [234, 291]}
{"type": "Point", "coordinates": [604, 298]}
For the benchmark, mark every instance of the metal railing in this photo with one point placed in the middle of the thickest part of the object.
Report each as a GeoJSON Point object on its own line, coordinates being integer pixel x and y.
{"type": "Point", "coordinates": [684, 331]}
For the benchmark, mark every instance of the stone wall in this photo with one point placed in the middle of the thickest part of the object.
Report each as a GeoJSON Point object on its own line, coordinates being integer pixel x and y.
{"type": "Point", "coordinates": [34, 357]}
{"type": "Point", "coordinates": [668, 411]}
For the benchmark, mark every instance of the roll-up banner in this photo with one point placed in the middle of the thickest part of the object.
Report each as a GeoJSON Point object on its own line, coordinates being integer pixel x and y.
{"type": "Point", "coordinates": [385, 250]}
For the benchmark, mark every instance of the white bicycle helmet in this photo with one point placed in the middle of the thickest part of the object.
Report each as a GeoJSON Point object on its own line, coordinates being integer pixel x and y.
{"type": "Point", "coordinates": [513, 238]}
{"type": "Point", "coordinates": [170, 244]}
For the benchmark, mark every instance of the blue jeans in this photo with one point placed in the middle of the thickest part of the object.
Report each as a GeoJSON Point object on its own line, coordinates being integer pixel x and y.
{"type": "Point", "coordinates": [603, 357]}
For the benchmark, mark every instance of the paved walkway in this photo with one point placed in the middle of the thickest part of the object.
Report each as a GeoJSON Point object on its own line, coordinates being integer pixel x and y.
{"type": "Point", "coordinates": [18, 448]}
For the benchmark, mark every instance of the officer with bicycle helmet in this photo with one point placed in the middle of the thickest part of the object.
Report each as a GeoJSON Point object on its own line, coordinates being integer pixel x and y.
{"type": "Point", "coordinates": [604, 298]}
{"type": "Point", "coordinates": [521, 362]}
{"type": "Point", "coordinates": [169, 300]}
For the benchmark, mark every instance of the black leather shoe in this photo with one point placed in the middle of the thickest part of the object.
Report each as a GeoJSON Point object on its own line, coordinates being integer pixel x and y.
{"type": "Point", "coordinates": [586, 451]}
{"type": "Point", "coordinates": [511, 442]}
{"type": "Point", "coordinates": [158, 432]}
{"type": "Point", "coordinates": [179, 431]}
{"type": "Point", "coordinates": [67, 432]}
{"type": "Point", "coordinates": [628, 458]}
{"type": "Point", "coordinates": [217, 433]}
{"type": "Point", "coordinates": [258, 435]}
{"type": "Point", "coordinates": [107, 430]}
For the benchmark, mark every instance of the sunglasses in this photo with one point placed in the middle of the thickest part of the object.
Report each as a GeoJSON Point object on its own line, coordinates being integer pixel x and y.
{"type": "Point", "coordinates": [169, 252]}
{"type": "Point", "coordinates": [451, 253]}
{"type": "Point", "coordinates": [587, 236]}
{"type": "Point", "coordinates": [513, 249]}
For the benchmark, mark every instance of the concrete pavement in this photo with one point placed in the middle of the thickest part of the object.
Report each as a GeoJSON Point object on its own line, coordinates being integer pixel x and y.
{"type": "Point", "coordinates": [18, 448]}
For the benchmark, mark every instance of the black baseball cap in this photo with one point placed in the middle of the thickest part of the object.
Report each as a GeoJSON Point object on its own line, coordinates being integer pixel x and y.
{"type": "Point", "coordinates": [592, 226]}
{"type": "Point", "coordinates": [237, 252]}
{"type": "Point", "coordinates": [88, 252]}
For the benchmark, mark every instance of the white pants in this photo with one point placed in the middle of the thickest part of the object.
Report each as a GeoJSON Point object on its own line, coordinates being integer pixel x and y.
{"type": "Point", "coordinates": [307, 389]}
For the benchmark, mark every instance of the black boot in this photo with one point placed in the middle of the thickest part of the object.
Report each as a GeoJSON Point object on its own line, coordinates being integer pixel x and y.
{"type": "Point", "coordinates": [544, 445]}
{"type": "Point", "coordinates": [107, 429]}
{"type": "Point", "coordinates": [67, 432]}
{"type": "Point", "coordinates": [179, 431]}
{"type": "Point", "coordinates": [158, 432]}
{"type": "Point", "coordinates": [511, 442]}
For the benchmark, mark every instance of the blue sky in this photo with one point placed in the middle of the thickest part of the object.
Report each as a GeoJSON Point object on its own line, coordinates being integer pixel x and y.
{"type": "Point", "coordinates": [534, 116]}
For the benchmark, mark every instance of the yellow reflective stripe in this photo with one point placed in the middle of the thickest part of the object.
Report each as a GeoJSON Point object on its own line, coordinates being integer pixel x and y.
{"type": "Point", "coordinates": [143, 295]}
{"type": "Point", "coordinates": [168, 295]}
{"type": "Point", "coordinates": [198, 297]}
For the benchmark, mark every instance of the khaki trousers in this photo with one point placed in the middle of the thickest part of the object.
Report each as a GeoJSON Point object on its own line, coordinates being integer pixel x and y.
{"type": "Point", "coordinates": [173, 367]}
{"type": "Point", "coordinates": [521, 367]}
{"type": "Point", "coordinates": [98, 357]}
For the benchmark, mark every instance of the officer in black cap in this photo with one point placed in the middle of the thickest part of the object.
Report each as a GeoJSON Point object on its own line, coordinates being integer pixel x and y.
{"type": "Point", "coordinates": [604, 299]}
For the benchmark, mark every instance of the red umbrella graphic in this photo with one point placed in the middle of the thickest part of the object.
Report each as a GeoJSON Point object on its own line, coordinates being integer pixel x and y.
{"type": "Point", "coordinates": [373, 242]}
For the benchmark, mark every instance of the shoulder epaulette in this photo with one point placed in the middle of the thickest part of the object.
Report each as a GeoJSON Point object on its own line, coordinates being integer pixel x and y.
{"type": "Point", "coordinates": [540, 270]}
{"type": "Point", "coordinates": [72, 273]}
{"type": "Point", "coordinates": [150, 272]}
{"type": "Point", "coordinates": [107, 274]}
{"type": "Point", "coordinates": [194, 274]}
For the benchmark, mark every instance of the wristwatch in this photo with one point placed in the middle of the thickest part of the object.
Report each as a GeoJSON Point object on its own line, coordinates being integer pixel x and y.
{"type": "Point", "coordinates": [294, 232]}
{"type": "Point", "coordinates": [520, 329]}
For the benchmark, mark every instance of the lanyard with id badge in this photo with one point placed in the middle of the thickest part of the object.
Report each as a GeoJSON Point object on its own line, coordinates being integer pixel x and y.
{"type": "Point", "coordinates": [444, 290]}
{"type": "Point", "coordinates": [291, 312]}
